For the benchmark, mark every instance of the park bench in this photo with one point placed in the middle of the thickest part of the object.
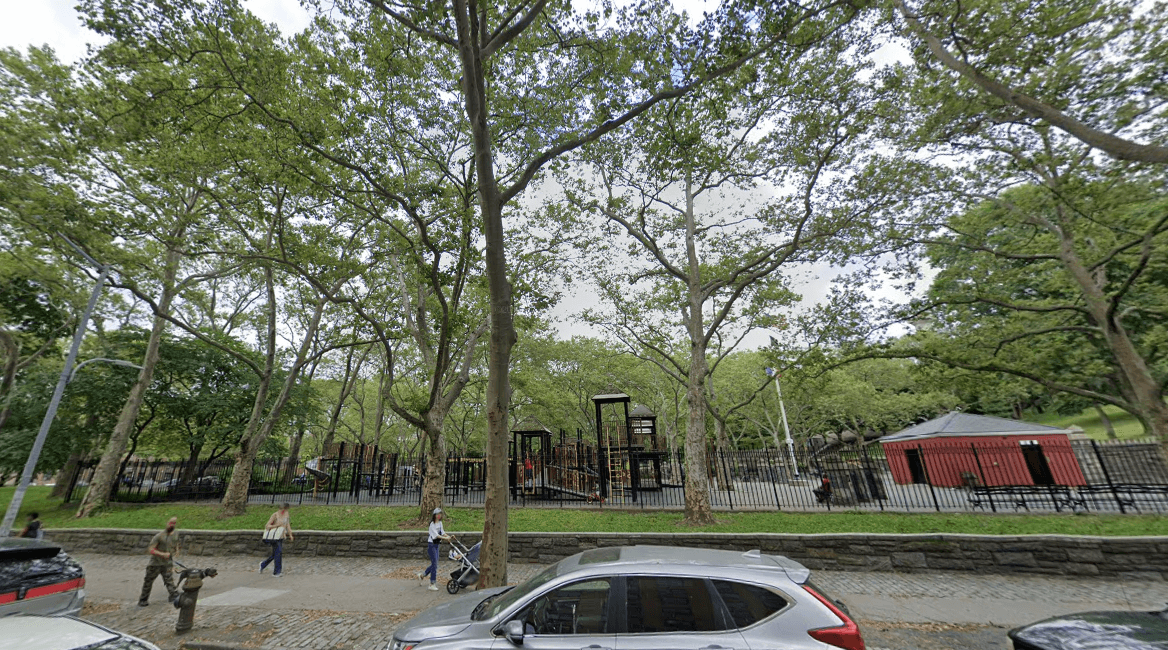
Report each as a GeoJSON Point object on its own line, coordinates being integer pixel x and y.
{"type": "Point", "coordinates": [1128, 495]}
{"type": "Point", "coordinates": [1023, 496]}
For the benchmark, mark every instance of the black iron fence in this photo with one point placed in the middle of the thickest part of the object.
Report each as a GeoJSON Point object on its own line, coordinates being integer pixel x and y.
{"type": "Point", "coordinates": [999, 476]}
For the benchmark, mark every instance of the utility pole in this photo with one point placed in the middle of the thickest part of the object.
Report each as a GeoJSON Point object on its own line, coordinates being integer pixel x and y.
{"type": "Point", "coordinates": [771, 372]}
{"type": "Point", "coordinates": [39, 443]}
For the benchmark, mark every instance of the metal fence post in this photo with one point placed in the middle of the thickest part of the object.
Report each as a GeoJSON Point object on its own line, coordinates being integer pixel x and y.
{"type": "Point", "coordinates": [980, 470]}
{"type": "Point", "coordinates": [721, 454]}
{"type": "Point", "coordinates": [875, 478]}
{"type": "Point", "coordinates": [928, 479]}
{"type": "Point", "coordinates": [773, 477]}
{"type": "Point", "coordinates": [1107, 476]}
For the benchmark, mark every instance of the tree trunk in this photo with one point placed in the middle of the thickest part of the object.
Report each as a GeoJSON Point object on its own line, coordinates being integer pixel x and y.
{"type": "Point", "coordinates": [697, 484]}
{"type": "Point", "coordinates": [721, 459]}
{"type": "Point", "coordinates": [347, 384]}
{"type": "Point", "coordinates": [99, 488]}
{"type": "Point", "coordinates": [1106, 421]}
{"type": "Point", "coordinates": [10, 354]}
{"type": "Point", "coordinates": [493, 556]}
{"type": "Point", "coordinates": [434, 485]}
{"type": "Point", "coordinates": [65, 475]}
{"type": "Point", "coordinates": [235, 499]}
{"type": "Point", "coordinates": [293, 460]}
{"type": "Point", "coordinates": [1146, 393]}
{"type": "Point", "coordinates": [191, 467]}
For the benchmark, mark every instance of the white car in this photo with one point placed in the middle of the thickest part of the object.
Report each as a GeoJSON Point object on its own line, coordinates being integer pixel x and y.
{"type": "Point", "coordinates": [63, 633]}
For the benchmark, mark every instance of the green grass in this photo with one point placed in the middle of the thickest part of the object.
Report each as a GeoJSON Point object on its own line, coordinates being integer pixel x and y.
{"type": "Point", "coordinates": [573, 520]}
{"type": "Point", "coordinates": [1125, 424]}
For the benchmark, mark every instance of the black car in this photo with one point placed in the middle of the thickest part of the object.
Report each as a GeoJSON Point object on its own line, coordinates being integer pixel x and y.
{"type": "Point", "coordinates": [37, 577]}
{"type": "Point", "coordinates": [1095, 630]}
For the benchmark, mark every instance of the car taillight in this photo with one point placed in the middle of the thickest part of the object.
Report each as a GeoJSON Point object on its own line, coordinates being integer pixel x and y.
{"type": "Point", "coordinates": [845, 636]}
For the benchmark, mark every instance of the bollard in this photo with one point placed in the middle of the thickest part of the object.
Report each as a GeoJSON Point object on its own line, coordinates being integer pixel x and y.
{"type": "Point", "coordinates": [190, 582]}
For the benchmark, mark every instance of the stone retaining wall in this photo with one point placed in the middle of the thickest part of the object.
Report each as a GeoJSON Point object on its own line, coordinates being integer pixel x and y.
{"type": "Point", "coordinates": [1128, 557]}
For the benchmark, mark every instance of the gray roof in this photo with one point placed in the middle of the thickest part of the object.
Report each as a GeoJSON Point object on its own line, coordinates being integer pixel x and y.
{"type": "Point", "coordinates": [641, 411]}
{"type": "Point", "coordinates": [530, 424]}
{"type": "Point", "coordinates": [610, 397]}
{"type": "Point", "coordinates": [955, 424]}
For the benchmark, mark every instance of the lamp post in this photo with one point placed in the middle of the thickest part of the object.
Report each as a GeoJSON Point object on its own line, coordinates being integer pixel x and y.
{"type": "Point", "coordinates": [116, 362]}
{"type": "Point", "coordinates": [66, 375]}
{"type": "Point", "coordinates": [771, 372]}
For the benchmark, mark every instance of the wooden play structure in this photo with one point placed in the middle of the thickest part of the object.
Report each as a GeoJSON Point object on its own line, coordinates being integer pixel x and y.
{"type": "Point", "coordinates": [623, 460]}
{"type": "Point", "coordinates": [629, 447]}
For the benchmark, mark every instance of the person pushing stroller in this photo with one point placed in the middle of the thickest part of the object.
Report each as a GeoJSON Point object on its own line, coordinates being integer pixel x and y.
{"type": "Point", "coordinates": [436, 536]}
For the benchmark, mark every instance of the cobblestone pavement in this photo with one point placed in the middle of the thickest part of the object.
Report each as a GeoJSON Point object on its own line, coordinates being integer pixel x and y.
{"type": "Point", "coordinates": [332, 603]}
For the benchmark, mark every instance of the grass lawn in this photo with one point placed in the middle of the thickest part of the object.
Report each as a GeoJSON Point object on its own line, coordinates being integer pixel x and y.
{"type": "Point", "coordinates": [1125, 424]}
{"type": "Point", "coordinates": [574, 520]}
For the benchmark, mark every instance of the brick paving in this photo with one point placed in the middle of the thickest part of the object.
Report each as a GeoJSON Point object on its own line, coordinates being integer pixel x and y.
{"type": "Point", "coordinates": [934, 611]}
{"type": "Point", "coordinates": [1028, 588]}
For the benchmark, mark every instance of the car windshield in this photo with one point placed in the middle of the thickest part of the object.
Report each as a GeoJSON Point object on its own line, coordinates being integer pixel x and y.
{"type": "Point", "coordinates": [491, 607]}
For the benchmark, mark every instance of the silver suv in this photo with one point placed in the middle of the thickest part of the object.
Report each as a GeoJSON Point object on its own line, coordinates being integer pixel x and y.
{"type": "Point", "coordinates": [642, 598]}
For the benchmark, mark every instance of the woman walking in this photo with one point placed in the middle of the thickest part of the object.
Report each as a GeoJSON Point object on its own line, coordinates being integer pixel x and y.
{"type": "Point", "coordinates": [280, 523]}
{"type": "Point", "coordinates": [437, 535]}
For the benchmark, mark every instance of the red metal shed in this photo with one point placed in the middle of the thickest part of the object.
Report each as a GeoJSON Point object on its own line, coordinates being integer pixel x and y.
{"type": "Point", "coordinates": [960, 449]}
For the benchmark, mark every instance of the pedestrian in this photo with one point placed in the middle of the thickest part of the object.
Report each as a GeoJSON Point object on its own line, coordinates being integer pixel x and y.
{"type": "Point", "coordinates": [280, 523]}
{"type": "Point", "coordinates": [528, 472]}
{"type": "Point", "coordinates": [437, 535]}
{"type": "Point", "coordinates": [33, 530]}
{"type": "Point", "coordinates": [162, 550]}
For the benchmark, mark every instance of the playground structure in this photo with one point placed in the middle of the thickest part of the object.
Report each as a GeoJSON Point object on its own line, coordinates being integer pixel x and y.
{"type": "Point", "coordinates": [352, 468]}
{"type": "Point", "coordinates": [626, 459]}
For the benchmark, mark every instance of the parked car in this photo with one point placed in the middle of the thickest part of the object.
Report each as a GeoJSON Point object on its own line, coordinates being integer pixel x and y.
{"type": "Point", "coordinates": [64, 633]}
{"type": "Point", "coordinates": [37, 577]}
{"type": "Point", "coordinates": [645, 597]}
{"type": "Point", "coordinates": [1110, 630]}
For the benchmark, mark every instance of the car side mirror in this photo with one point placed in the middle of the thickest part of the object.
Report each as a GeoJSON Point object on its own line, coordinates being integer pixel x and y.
{"type": "Point", "coordinates": [513, 630]}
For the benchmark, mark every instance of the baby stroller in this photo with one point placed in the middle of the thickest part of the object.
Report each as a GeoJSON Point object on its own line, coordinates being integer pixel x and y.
{"type": "Point", "coordinates": [467, 572]}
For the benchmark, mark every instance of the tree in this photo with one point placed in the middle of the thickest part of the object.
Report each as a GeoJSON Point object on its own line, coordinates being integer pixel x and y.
{"type": "Point", "coordinates": [710, 271]}
{"type": "Point", "coordinates": [517, 129]}
{"type": "Point", "coordinates": [1090, 69]}
{"type": "Point", "coordinates": [1058, 285]}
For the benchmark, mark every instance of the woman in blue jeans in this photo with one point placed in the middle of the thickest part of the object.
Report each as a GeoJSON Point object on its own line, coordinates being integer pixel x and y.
{"type": "Point", "coordinates": [437, 535]}
{"type": "Point", "coordinates": [279, 519]}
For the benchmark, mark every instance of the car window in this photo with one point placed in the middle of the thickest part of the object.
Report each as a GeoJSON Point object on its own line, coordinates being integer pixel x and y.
{"type": "Point", "coordinates": [748, 604]}
{"type": "Point", "coordinates": [668, 604]}
{"type": "Point", "coordinates": [578, 608]}
{"type": "Point", "coordinates": [504, 600]}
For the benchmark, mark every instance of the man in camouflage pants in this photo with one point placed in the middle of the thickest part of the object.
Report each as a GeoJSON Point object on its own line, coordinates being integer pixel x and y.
{"type": "Point", "coordinates": [161, 551]}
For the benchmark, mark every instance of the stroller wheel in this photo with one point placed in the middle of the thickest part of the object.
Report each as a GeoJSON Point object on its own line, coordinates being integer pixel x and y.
{"type": "Point", "coordinates": [452, 586]}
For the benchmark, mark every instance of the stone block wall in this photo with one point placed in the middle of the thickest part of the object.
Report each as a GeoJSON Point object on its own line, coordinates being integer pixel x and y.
{"type": "Point", "coordinates": [1126, 557]}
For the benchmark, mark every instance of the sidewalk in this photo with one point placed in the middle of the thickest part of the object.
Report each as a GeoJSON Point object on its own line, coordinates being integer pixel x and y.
{"type": "Point", "coordinates": [327, 603]}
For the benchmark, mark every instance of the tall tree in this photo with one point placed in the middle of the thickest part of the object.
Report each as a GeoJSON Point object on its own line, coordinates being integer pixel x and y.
{"type": "Point", "coordinates": [539, 80]}
{"type": "Point", "coordinates": [686, 187]}
{"type": "Point", "coordinates": [1090, 69]}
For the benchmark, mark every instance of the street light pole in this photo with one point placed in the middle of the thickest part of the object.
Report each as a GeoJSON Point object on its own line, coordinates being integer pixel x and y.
{"type": "Point", "coordinates": [116, 362]}
{"type": "Point", "coordinates": [66, 372]}
{"type": "Point", "coordinates": [786, 427]}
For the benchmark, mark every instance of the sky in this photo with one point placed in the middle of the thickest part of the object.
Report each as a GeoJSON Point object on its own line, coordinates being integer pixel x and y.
{"type": "Point", "coordinates": [56, 23]}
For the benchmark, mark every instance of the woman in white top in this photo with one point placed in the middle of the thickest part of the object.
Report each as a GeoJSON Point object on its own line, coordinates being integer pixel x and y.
{"type": "Point", "coordinates": [436, 536]}
{"type": "Point", "coordinates": [279, 519]}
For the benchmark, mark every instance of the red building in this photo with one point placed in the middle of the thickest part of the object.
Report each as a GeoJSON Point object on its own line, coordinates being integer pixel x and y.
{"type": "Point", "coordinates": [959, 449]}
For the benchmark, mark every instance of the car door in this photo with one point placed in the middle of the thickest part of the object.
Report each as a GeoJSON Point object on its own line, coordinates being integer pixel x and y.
{"type": "Point", "coordinates": [575, 616]}
{"type": "Point", "coordinates": [675, 613]}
